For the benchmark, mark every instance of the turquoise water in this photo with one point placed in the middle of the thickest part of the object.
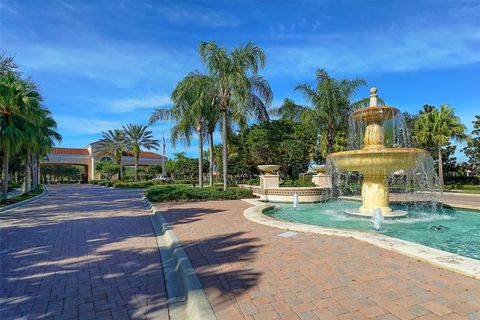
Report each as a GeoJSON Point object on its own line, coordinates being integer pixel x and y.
{"type": "Point", "coordinates": [461, 236]}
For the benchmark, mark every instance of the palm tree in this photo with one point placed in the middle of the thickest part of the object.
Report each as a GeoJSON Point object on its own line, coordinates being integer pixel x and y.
{"type": "Point", "coordinates": [239, 88]}
{"type": "Point", "coordinates": [17, 105]}
{"type": "Point", "coordinates": [331, 103]}
{"type": "Point", "coordinates": [136, 137]}
{"type": "Point", "coordinates": [45, 136]}
{"type": "Point", "coordinates": [113, 142]}
{"type": "Point", "coordinates": [289, 110]}
{"type": "Point", "coordinates": [194, 109]}
{"type": "Point", "coordinates": [435, 129]}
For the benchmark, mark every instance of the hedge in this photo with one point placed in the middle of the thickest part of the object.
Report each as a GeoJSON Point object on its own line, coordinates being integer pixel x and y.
{"type": "Point", "coordinates": [176, 192]}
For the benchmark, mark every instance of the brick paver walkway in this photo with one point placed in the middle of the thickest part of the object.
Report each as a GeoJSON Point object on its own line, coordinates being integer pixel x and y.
{"type": "Point", "coordinates": [248, 272]}
{"type": "Point", "coordinates": [84, 252]}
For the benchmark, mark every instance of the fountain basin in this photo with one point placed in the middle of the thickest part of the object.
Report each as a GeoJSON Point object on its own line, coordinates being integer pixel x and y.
{"type": "Point", "coordinates": [378, 162]}
{"type": "Point", "coordinates": [375, 165]}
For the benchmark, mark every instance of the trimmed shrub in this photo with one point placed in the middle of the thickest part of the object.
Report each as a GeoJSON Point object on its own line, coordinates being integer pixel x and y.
{"type": "Point", "coordinates": [298, 183]}
{"type": "Point", "coordinates": [137, 184]}
{"type": "Point", "coordinates": [176, 192]}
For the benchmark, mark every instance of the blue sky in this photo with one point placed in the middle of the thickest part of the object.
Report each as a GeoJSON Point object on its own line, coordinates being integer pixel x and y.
{"type": "Point", "coordinates": [101, 64]}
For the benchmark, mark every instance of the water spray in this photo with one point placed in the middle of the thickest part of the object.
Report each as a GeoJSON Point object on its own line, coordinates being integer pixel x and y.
{"type": "Point", "coordinates": [295, 200]}
{"type": "Point", "coordinates": [377, 219]}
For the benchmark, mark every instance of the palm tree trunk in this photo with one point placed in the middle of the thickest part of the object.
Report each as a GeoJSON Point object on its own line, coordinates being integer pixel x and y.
{"type": "Point", "coordinates": [210, 157]}
{"type": "Point", "coordinates": [440, 168]}
{"type": "Point", "coordinates": [224, 149]}
{"type": "Point", "coordinates": [121, 169]}
{"type": "Point", "coordinates": [27, 174]}
{"type": "Point", "coordinates": [34, 173]}
{"type": "Point", "coordinates": [5, 173]}
{"type": "Point", "coordinates": [200, 157]}
{"type": "Point", "coordinates": [330, 139]}
{"type": "Point", "coordinates": [136, 168]}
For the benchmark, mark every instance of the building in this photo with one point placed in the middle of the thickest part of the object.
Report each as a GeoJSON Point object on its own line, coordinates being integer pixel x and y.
{"type": "Point", "coordinates": [90, 155]}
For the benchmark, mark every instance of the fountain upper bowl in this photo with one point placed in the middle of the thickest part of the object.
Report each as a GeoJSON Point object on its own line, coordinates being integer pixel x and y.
{"type": "Point", "coordinates": [375, 114]}
{"type": "Point", "coordinates": [378, 162]}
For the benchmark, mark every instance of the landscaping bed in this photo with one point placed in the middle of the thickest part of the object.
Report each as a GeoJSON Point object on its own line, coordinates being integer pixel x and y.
{"type": "Point", "coordinates": [22, 197]}
{"type": "Point", "coordinates": [165, 193]}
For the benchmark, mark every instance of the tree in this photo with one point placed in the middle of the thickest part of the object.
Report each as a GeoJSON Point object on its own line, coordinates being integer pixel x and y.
{"type": "Point", "coordinates": [108, 169]}
{"type": "Point", "coordinates": [187, 169]}
{"type": "Point", "coordinates": [194, 110]}
{"type": "Point", "coordinates": [18, 102]}
{"type": "Point", "coordinates": [472, 150]}
{"type": "Point", "coordinates": [331, 104]}
{"type": "Point", "coordinates": [113, 142]}
{"type": "Point", "coordinates": [280, 142]}
{"type": "Point", "coordinates": [137, 137]}
{"type": "Point", "coordinates": [435, 129]}
{"type": "Point", "coordinates": [240, 90]}
{"type": "Point", "coordinates": [289, 110]}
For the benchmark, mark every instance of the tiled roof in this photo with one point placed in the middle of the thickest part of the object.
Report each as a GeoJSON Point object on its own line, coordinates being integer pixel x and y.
{"type": "Point", "coordinates": [144, 154]}
{"type": "Point", "coordinates": [149, 154]}
{"type": "Point", "coordinates": [70, 151]}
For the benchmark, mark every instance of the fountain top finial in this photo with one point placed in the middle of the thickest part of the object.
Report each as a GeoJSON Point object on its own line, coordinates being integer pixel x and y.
{"type": "Point", "coordinates": [373, 97]}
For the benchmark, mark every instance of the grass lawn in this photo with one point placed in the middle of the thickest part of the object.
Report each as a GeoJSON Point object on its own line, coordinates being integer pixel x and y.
{"type": "Point", "coordinates": [464, 191]}
{"type": "Point", "coordinates": [22, 197]}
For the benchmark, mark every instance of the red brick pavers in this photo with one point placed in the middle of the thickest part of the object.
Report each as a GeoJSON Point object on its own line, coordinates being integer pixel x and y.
{"type": "Point", "coordinates": [83, 252]}
{"type": "Point", "coordinates": [248, 272]}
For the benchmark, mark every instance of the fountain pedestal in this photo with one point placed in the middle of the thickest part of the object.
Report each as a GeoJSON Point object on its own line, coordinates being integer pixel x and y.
{"type": "Point", "coordinates": [269, 181]}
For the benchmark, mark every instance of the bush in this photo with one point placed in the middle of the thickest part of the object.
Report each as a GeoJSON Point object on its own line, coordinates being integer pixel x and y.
{"type": "Point", "coordinates": [176, 193]}
{"type": "Point", "coordinates": [458, 181]}
{"type": "Point", "coordinates": [135, 184]}
{"type": "Point", "coordinates": [253, 182]}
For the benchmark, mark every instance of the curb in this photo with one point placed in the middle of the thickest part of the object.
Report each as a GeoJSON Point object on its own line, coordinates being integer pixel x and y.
{"type": "Point", "coordinates": [186, 298]}
{"type": "Point", "coordinates": [24, 202]}
{"type": "Point", "coordinates": [446, 260]}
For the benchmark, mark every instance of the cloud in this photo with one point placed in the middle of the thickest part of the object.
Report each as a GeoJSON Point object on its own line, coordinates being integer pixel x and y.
{"type": "Point", "coordinates": [441, 47]}
{"type": "Point", "coordinates": [195, 16]}
{"type": "Point", "coordinates": [122, 64]}
{"type": "Point", "coordinates": [80, 126]}
{"type": "Point", "coordinates": [127, 105]}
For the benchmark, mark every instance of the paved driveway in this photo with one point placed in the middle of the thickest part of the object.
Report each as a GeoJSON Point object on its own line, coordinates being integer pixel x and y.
{"type": "Point", "coordinates": [83, 252]}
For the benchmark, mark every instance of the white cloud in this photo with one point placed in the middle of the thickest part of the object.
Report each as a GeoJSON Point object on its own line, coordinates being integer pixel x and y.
{"type": "Point", "coordinates": [121, 63]}
{"type": "Point", "coordinates": [77, 125]}
{"type": "Point", "coordinates": [195, 16]}
{"type": "Point", "coordinates": [440, 47]}
{"type": "Point", "coordinates": [127, 105]}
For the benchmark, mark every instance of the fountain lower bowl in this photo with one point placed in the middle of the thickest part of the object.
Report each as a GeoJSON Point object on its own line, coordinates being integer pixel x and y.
{"type": "Point", "coordinates": [378, 161]}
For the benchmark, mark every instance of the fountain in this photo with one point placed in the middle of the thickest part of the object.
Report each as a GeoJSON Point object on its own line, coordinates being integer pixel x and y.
{"type": "Point", "coordinates": [376, 160]}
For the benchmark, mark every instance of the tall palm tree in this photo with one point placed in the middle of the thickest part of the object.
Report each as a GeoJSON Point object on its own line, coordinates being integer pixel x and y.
{"type": "Point", "coordinates": [331, 103]}
{"type": "Point", "coordinates": [239, 88]}
{"type": "Point", "coordinates": [194, 110]}
{"type": "Point", "coordinates": [435, 128]}
{"type": "Point", "coordinates": [45, 137]}
{"type": "Point", "coordinates": [17, 101]}
{"type": "Point", "coordinates": [113, 142]}
{"type": "Point", "coordinates": [289, 110]}
{"type": "Point", "coordinates": [137, 137]}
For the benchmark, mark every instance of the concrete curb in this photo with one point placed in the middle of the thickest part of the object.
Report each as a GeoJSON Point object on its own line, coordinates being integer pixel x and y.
{"type": "Point", "coordinates": [446, 260]}
{"type": "Point", "coordinates": [186, 298]}
{"type": "Point", "coordinates": [24, 202]}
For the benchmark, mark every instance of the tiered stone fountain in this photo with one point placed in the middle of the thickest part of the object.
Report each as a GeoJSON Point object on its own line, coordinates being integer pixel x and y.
{"type": "Point", "coordinates": [375, 161]}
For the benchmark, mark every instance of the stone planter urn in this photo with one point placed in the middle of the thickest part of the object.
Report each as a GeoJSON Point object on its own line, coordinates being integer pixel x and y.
{"type": "Point", "coordinates": [268, 169]}
{"type": "Point", "coordinates": [320, 169]}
